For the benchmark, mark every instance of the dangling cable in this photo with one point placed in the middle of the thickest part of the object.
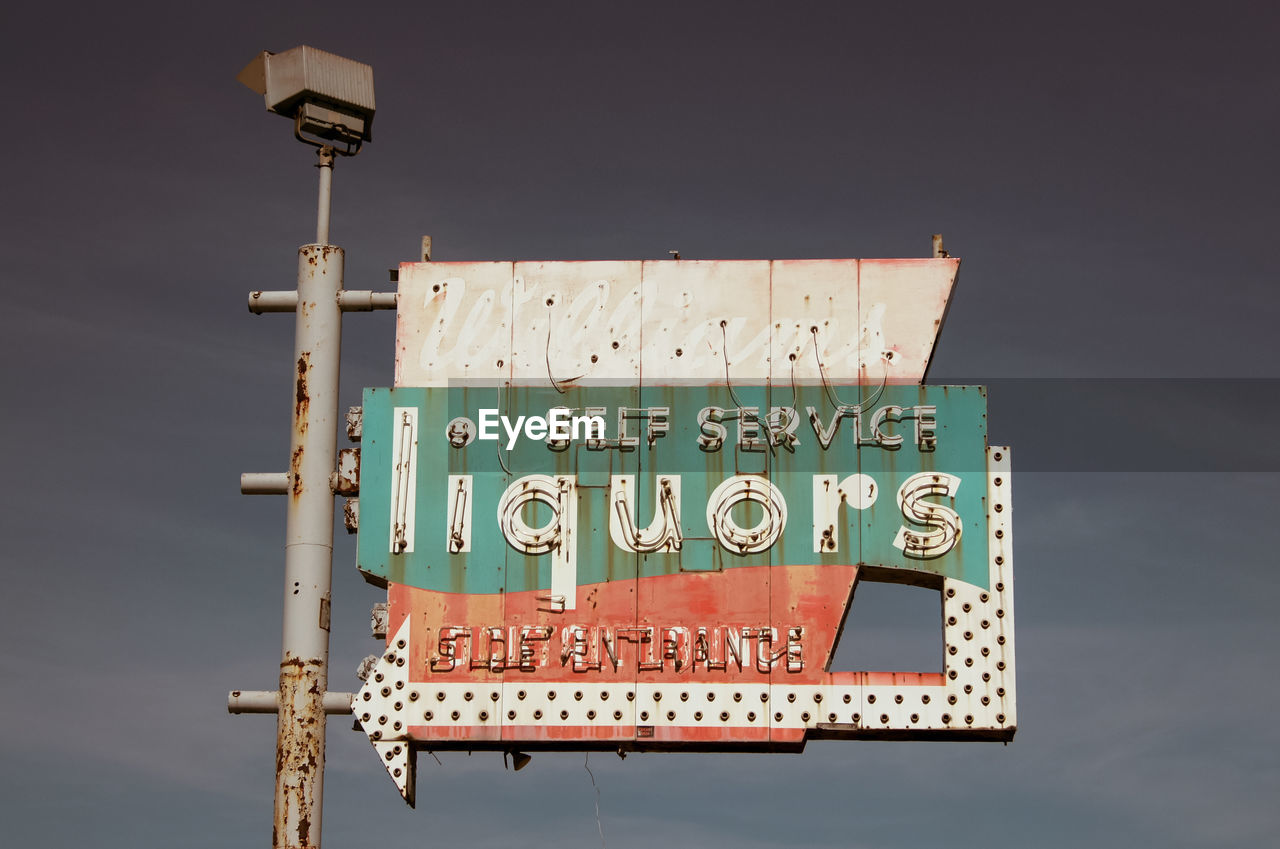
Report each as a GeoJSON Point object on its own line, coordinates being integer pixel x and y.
{"type": "Point", "coordinates": [586, 764]}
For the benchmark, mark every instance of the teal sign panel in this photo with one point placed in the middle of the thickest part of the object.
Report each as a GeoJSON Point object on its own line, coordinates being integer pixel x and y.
{"type": "Point", "coordinates": [718, 477]}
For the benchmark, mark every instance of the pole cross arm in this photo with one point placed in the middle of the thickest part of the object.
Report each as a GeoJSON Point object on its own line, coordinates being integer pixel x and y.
{"type": "Point", "coordinates": [349, 300]}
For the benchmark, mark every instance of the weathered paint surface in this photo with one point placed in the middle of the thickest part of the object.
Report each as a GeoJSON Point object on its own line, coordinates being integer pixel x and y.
{"type": "Point", "coordinates": [664, 322]}
{"type": "Point", "coordinates": [685, 590]}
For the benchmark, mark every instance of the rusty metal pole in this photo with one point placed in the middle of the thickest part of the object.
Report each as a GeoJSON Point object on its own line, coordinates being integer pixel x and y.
{"type": "Point", "coordinates": [304, 661]}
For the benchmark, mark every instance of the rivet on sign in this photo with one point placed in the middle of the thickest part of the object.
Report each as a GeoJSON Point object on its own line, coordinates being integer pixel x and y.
{"type": "Point", "coordinates": [367, 696]}
{"type": "Point", "coordinates": [999, 562]}
{"type": "Point", "coordinates": [521, 694]}
{"type": "Point", "coordinates": [951, 649]}
{"type": "Point", "coordinates": [986, 676]}
{"type": "Point", "coordinates": [684, 697]}
{"type": "Point", "coordinates": [951, 699]}
{"type": "Point", "coordinates": [711, 697]}
{"type": "Point", "coordinates": [999, 481]}
{"type": "Point", "coordinates": [999, 613]}
{"type": "Point", "coordinates": [400, 661]}
{"type": "Point", "coordinates": [630, 695]}
{"type": "Point", "coordinates": [915, 717]}
{"type": "Point", "coordinates": [924, 699]}
{"type": "Point", "coordinates": [968, 661]}
{"type": "Point", "coordinates": [831, 717]}
{"type": "Point", "coordinates": [577, 695]}
{"type": "Point", "coordinates": [951, 592]}
{"type": "Point", "coordinates": [413, 695]}
{"type": "Point", "coordinates": [984, 598]}
{"type": "Point", "coordinates": [791, 697]}
{"type": "Point", "coordinates": [968, 635]}
{"type": "Point", "coordinates": [985, 651]}
{"type": "Point", "coordinates": [484, 715]}
{"type": "Point", "coordinates": [399, 706]}
{"type": "Point", "coordinates": [777, 717]}
{"type": "Point", "coordinates": [884, 717]}
{"type": "Point", "coordinates": [537, 714]}
{"type": "Point", "coordinates": [1000, 665]}
{"type": "Point", "coordinates": [946, 718]}
{"type": "Point", "coordinates": [999, 455]}
{"type": "Point", "coordinates": [671, 715]}
{"type": "Point", "coordinates": [898, 698]}
{"type": "Point", "coordinates": [657, 697]}
{"type": "Point", "coordinates": [591, 714]}
{"type": "Point", "coordinates": [1000, 692]}
{"type": "Point", "coordinates": [364, 717]}
{"type": "Point", "coordinates": [494, 695]}
{"type": "Point", "coordinates": [968, 688]}
{"type": "Point", "coordinates": [440, 695]}
{"type": "Point", "coordinates": [737, 697]}
{"type": "Point", "coordinates": [966, 607]}
{"type": "Point", "coordinates": [1000, 718]}
{"type": "Point", "coordinates": [376, 735]}
{"type": "Point", "coordinates": [644, 714]}
{"type": "Point", "coordinates": [428, 716]}
{"type": "Point", "coordinates": [764, 697]}
{"type": "Point", "coordinates": [697, 716]}
{"type": "Point", "coordinates": [968, 719]}
{"type": "Point", "coordinates": [871, 699]}
{"type": "Point", "coordinates": [617, 714]}
{"type": "Point", "coordinates": [986, 624]}
{"type": "Point", "coordinates": [999, 508]}
{"type": "Point", "coordinates": [511, 714]}
{"type": "Point", "coordinates": [551, 695]}
{"type": "Point", "coordinates": [951, 620]}
{"type": "Point", "coordinates": [751, 716]}
{"type": "Point", "coordinates": [804, 717]}
{"type": "Point", "coordinates": [400, 644]}
{"type": "Point", "coordinates": [857, 717]}
{"type": "Point", "coordinates": [454, 716]}
{"type": "Point", "coordinates": [951, 674]}
{"type": "Point", "coordinates": [999, 535]}
{"type": "Point", "coordinates": [604, 695]}
{"type": "Point", "coordinates": [564, 714]}
{"type": "Point", "coordinates": [986, 700]}
{"type": "Point", "coordinates": [467, 695]}
{"type": "Point", "coordinates": [377, 676]}
{"type": "Point", "coordinates": [817, 697]}
{"type": "Point", "coordinates": [396, 725]}
{"type": "Point", "coordinates": [386, 691]}
{"type": "Point", "coordinates": [399, 685]}
{"type": "Point", "coordinates": [847, 698]}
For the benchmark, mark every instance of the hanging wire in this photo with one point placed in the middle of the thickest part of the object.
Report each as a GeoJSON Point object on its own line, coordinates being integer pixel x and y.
{"type": "Point", "coordinates": [586, 764]}
{"type": "Point", "coordinates": [497, 443]}
{"type": "Point", "coordinates": [554, 383]}
{"type": "Point", "coordinates": [724, 349]}
{"type": "Point", "coordinates": [831, 393]}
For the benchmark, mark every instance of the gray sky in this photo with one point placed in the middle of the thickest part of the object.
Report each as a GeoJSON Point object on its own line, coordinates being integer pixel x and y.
{"type": "Point", "coordinates": [1107, 175]}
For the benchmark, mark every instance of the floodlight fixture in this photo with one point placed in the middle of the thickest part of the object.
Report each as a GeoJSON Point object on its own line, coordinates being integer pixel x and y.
{"type": "Point", "coordinates": [329, 97]}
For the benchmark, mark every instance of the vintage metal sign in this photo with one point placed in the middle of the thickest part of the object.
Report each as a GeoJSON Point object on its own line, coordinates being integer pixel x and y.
{"type": "Point", "coordinates": [627, 505]}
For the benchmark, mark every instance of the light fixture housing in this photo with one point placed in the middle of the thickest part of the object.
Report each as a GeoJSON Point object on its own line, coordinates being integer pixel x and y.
{"type": "Point", "coordinates": [330, 98]}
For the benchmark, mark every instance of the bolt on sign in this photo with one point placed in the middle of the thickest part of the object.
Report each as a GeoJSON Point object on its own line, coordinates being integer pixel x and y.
{"type": "Point", "coordinates": [627, 505]}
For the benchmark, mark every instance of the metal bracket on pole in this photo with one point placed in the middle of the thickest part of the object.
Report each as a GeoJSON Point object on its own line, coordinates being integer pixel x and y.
{"type": "Point", "coordinates": [264, 483]}
{"type": "Point", "coordinates": [353, 300]}
{"type": "Point", "coordinates": [363, 300]}
{"type": "Point", "coordinates": [268, 701]}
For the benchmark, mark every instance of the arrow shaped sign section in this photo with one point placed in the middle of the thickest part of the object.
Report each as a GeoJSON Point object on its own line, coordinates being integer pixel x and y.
{"type": "Point", "coordinates": [380, 710]}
